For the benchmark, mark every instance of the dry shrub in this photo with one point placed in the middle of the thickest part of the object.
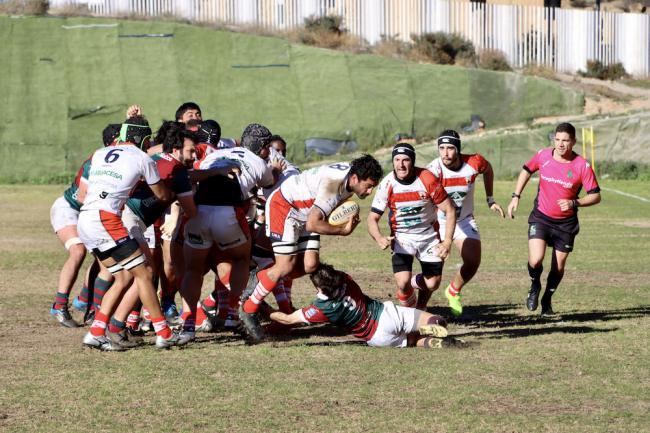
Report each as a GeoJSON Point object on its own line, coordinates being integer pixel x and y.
{"type": "Point", "coordinates": [72, 10]}
{"type": "Point", "coordinates": [391, 46]}
{"type": "Point", "coordinates": [539, 71]}
{"type": "Point", "coordinates": [445, 48]}
{"type": "Point", "coordinates": [24, 7]}
{"type": "Point", "coordinates": [493, 60]}
{"type": "Point", "coordinates": [596, 69]}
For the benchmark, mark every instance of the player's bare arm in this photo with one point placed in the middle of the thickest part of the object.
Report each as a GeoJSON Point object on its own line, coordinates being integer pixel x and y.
{"type": "Point", "coordinates": [450, 215]}
{"type": "Point", "coordinates": [488, 181]}
{"type": "Point", "coordinates": [317, 222]}
{"type": "Point", "coordinates": [287, 319]}
{"type": "Point", "coordinates": [588, 200]}
{"type": "Point", "coordinates": [522, 180]}
{"type": "Point", "coordinates": [373, 228]}
{"type": "Point", "coordinates": [161, 192]}
{"type": "Point", "coordinates": [226, 170]}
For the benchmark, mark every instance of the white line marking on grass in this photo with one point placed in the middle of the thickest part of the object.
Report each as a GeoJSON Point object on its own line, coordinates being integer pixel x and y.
{"type": "Point", "coordinates": [88, 26]}
{"type": "Point", "coordinates": [625, 194]}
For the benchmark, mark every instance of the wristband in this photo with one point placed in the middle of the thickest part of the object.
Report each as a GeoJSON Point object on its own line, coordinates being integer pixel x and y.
{"type": "Point", "coordinates": [490, 201]}
{"type": "Point", "coordinates": [515, 195]}
{"type": "Point", "coordinates": [575, 203]}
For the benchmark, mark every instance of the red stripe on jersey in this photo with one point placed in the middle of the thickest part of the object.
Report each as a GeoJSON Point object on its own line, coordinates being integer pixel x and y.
{"type": "Point", "coordinates": [113, 225]}
{"type": "Point", "coordinates": [406, 196]}
{"type": "Point", "coordinates": [457, 181]}
{"type": "Point", "coordinates": [303, 204]}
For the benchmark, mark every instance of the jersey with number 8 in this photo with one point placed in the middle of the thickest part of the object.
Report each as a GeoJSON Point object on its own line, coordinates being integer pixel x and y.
{"type": "Point", "coordinates": [114, 172]}
{"type": "Point", "coordinates": [324, 186]}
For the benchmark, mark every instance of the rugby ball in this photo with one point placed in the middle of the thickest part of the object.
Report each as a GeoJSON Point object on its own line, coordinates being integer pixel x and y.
{"type": "Point", "coordinates": [343, 213]}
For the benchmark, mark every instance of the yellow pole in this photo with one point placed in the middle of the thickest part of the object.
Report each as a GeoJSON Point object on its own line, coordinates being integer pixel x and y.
{"type": "Point", "coordinates": [584, 144]}
{"type": "Point", "coordinates": [593, 149]}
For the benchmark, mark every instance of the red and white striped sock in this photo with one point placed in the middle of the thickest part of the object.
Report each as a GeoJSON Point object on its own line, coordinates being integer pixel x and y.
{"type": "Point", "coordinates": [453, 291]}
{"type": "Point", "coordinates": [408, 299]}
{"type": "Point", "coordinates": [281, 298]}
{"type": "Point", "coordinates": [133, 320]}
{"type": "Point", "coordinates": [263, 288]}
{"type": "Point", "coordinates": [160, 326]}
{"type": "Point", "coordinates": [98, 327]}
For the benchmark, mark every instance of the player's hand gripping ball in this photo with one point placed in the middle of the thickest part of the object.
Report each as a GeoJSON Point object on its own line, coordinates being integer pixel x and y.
{"type": "Point", "coordinates": [343, 213]}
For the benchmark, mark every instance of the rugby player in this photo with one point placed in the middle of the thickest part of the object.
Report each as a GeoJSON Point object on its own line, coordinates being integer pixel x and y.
{"type": "Point", "coordinates": [340, 301]}
{"type": "Point", "coordinates": [296, 216]}
{"type": "Point", "coordinates": [143, 209]}
{"type": "Point", "coordinates": [115, 171]}
{"type": "Point", "coordinates": [458, 173]}
{"type": "Point", "coordinates": [222, 205]}
{"type": "Point", "coordinates": [411, 194]}
{"type": "Point", "coordinates": [554, 219]}
{"type": "Point", "coordinates": [188, 111]}
{"type": "Point", "coordinates": [64, 215]}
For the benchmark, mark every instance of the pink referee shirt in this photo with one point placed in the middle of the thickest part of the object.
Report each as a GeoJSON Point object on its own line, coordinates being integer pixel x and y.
{"type": "Point", "coordinates": [558, 180]}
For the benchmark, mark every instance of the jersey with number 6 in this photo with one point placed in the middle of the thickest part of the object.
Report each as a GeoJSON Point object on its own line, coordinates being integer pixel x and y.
{"type": "Point", "coordinates": [324, 187]}
{"type": "Point", "coordinates": [459, 184]}
{"type": "Point", "coordinates": [114, 172]}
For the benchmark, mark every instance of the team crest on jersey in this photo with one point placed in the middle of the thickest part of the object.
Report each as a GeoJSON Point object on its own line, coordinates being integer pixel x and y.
{"type": "Point", "coordinates": [569, 174]}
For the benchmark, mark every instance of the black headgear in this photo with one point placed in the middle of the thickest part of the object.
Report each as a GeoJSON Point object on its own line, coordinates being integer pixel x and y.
{"type": "Point", "coordinates": [450, 137]}
{"type": "Point", "coordinates": [135, 131]}
{"type": "Point", "coordinates": [209, 132]}
{"type": "Point", "coordinates": [404, 149]}
{"type": "Point", "coordinates": [255, 137]}
{"type": "Point", "coordinates": [110, 133]}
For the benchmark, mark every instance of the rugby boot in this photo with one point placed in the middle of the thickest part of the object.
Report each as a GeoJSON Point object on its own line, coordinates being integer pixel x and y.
{"type": "Point", "coordinates": [176, 339]}
{"type": "Point", "coordinates": [547, 309]}
{"type": "Point", "coordinates": [63, 316]}
{"type": "Point", "coordinates": [250, 286]}
{"type": "Point", "coordinates": [454, 302]}
{"type": "Point", "coordinates": [89, 316]}
{"type": "Point", "coordinates": [445, 342]}
{"type": "Point", "coordinates": [433, 330]}
{"type": "Point", "coordinates": [102, 343]}
{"type": "Point", "coordinates": [123, 339]}
{"type": "Point", "coordinates": [252, 325]}
{"type": "Point", "coordinates": [533, 295]}
{"type": "Point", "coordinates": [170, 311]}
{"type": "Point", "coordinates": [205, 326]}
{"type": "Point", "coordinates": [209, 311]}
{"type": "Point", "coordinates": [79, 305]}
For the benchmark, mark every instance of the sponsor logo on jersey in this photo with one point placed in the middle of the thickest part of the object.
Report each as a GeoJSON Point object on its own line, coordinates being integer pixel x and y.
{"type": "Point", "coordinates": [311, 312]}
{"type": "Point", "coordinates": [110, 173]}
{"type": "Point", "coordinates": [558, 181]}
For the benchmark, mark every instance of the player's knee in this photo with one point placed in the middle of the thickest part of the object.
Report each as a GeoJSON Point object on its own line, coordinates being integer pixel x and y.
{"type": "Point", "coordinates": [77, 252]}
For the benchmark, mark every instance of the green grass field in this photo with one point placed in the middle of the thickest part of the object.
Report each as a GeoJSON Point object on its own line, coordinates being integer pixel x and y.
{"type": "Point", "coordinates": [586, 371]}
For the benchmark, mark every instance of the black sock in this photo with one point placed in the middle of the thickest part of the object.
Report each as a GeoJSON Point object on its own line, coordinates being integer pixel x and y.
{"type": "Point", "coordinates": [535, 273]}
{"type": "Point", "coordinates": [552, 282]}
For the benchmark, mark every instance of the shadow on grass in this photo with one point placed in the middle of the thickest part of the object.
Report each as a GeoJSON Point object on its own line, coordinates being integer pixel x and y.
{"type": "Point", "coordinates": [507, 315]}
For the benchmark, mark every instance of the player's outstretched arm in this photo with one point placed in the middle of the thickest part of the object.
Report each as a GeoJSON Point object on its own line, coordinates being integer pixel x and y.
{"type": "Point", "coordinates": [522, 180]}
{"type": "Point", "coordinates": [287, 319]}
{"type": "Point", "coordinates": [488, 181]}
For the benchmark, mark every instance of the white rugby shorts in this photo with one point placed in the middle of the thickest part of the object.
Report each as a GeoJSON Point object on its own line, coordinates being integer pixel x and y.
{"type": "Point", "coordinates": [285, 228]}
{"type": "Point", "coordinates": [467, 228]}
{"type": "Point", "coordinates": [419, 245]}
{"type": "Point", "coordinates": [394, 324]}
{"type": "Point", "coordinates": [101, 230]}
{"type": "Point", "coordinates": [62, 214]}
{"type": "Point", "coordinates": [224, 225]}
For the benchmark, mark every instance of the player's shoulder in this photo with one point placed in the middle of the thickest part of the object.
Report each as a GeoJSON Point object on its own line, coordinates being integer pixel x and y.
{"type": "Point", "coordinates": [475, 160]}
